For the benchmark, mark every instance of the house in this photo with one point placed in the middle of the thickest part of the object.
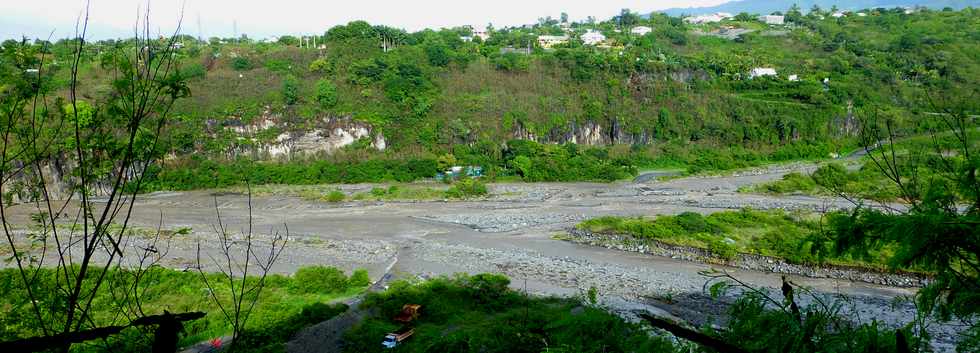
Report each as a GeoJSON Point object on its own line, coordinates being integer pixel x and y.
{"type": "Point", "coordinates": [466, 39]}
{"type": "Point", "coordinates": [772, 19]}
{"type": "Point", "coordinates": [641, 30]}
{"type": "Point", "coordinates": [861, 14]}
{"type": "Point", "coordinates": [712, 18]}
{"type": "Point", "coordinates": [838, 14]}
{"type": "Point", "coordinates": [592, 38]}
{"type": "Point", "coordinates": [550, 41]}
{"type": "Point", "coordinates": [482, 33]}
{"type": "Point", "coordinates": [523, 51]}
{"type": "Point", "coordinates": [794, 78]}
{"type": "Point", "coordinates": [762, 71]}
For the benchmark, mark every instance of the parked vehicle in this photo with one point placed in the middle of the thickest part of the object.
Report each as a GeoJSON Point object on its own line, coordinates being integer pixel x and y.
{"type": "Point", "coordinates": [393, 339]}
{"type": "Point", "coordinates": [409, 312]}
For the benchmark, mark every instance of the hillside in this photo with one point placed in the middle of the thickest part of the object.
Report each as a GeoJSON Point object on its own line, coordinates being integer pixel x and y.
{"type": "Point", "coordinates": [375, 103]}
{"type": "Point", "coordinates": [770, 6]}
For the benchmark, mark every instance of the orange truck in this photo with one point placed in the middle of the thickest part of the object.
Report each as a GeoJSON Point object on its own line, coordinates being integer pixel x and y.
{"type": "Point", "coordinates": [409, 312]}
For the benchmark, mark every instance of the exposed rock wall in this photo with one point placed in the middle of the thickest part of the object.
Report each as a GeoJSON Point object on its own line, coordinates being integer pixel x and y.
{"type": "Point", "coordinates": [321, 136]}
{"type": "Point", "coordinates": [589, 133]}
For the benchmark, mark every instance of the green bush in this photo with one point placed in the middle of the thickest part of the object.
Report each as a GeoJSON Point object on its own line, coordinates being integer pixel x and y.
{"type": "Point", "coordinates": [290, 90]}
{"type": "Point", "coordinates": [193, 71]}
{"type": "Point", "coordinates": [241, 63]}
{"type": "Point", "coordinates": [322, 65]}
{"type": "Point", "coordinates": [336, 196]}
{"type": "Point", "coordinates": [320, 280]}
{"type": "Point", "coordinates": [360, 278]}
{"type": "Point", "coordinates": [326, 93]}
{"type": "Point", "coordinates": [467, 188]}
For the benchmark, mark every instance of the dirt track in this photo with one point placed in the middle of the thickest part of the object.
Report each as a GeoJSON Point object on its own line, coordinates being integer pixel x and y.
{"type": "Point", "coordinates": [511, 233]}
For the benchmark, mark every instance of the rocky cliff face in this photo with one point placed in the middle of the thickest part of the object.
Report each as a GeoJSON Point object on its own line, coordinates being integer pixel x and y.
{"type": "Point", "coordinates": [587, 133]}
{"type": "Point", "coordinates": [324, 135]}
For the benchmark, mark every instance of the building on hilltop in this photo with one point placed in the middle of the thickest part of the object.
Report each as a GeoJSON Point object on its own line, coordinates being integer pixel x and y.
{"type": "Point", "coordinates": [762, 71]}
{"type": "Point", "coordinates": [550, 41]}
{"type": "Point", "coordinates": [772, 19]}
{"type": "Point", "coordinates": [641, 30]}
{"type": "Point", "coordinates": [482, 33]}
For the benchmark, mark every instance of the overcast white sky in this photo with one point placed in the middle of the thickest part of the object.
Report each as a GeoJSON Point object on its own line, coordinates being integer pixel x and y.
{"type": "Point", "coordinates": [263, 18]}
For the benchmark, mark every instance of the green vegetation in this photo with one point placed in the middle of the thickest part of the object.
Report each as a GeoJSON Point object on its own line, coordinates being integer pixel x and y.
{"type": "Point", "coordinates": [923, 157]}
{"type": "Point", "coordinates": [467, 188]}
{"type": "Point", "coordinates": [772, 233]}
{"type": "Point", "coordinates": [828, 180]}
{"type": "Point", "coordinates": [287, 304]}
{"type": "Point", "coordinates": [480, 314]}
{"type": "Point", "coordinates": [668, 98]}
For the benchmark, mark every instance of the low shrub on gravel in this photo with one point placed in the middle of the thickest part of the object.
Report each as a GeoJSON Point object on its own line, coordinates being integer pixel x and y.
{"type": "Point", "coordinates": [467, 188]}
{"type": "Point", "coordinates": [481, 314]}
{"type": "Point", "coordinates": [336, 196]}
{"type": "Point", "coordinates": [771, 233]}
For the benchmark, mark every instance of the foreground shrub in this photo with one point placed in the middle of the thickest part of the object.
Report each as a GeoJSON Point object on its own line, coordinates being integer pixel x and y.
{"type": "Point", "coordinates": [320, 279]}
{"type": "Point", "coordinates": [467, 188]}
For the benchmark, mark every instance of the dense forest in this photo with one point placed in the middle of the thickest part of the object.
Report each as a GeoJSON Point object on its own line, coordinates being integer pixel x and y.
{"type": "Point", "coordinates": [679, 96]}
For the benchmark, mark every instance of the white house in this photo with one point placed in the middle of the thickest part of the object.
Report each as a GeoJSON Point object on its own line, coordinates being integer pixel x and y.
{"type": "Point", "coordinates": [861, 14]}
{"type": "Point", "coordinates": [482, 33]}
{"type": "Point", "coordinates": [466, 38]}
{"type": "Point", "coordinates": [762, 71]}
{"type": "Point", "coordinates": [592, 38]}
{"type": "Point", "coordinates": [794, 78]}
{"type": "Point", "coordinates": [772, 19]}
{"type": "Point", "coordinates": [641, 30]}
{"type": "Point", "coordinates": [550, 41]}
{"type": "Point", "coordinates": [838, 14]}
{"type": "Point", "coordinates": [712, 18]}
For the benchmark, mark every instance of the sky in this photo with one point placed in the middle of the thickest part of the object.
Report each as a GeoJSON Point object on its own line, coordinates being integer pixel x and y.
{"type": "Point", "coordinates": [265, 18]}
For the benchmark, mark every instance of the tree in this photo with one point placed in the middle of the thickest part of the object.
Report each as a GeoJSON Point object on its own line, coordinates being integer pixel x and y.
{"type": "Point", "coordinates": [241, 63]}
{"type": "Point", "coordinates": [107, 143]}
{"type": "Point", "coordinates": [438, 53]}
{"type": "Point", "coordinates": [326, 93]}
{"type": "Point", "coordinates": [744, 17]}
{"type": "Point", "coordinates": [289, 40]}
{"type": "Point", "coordinates": [290, 90]}
{"type": "Point", "coordinates": [627, 18]}
{"type": "Point", "coordinates": [937, 230]}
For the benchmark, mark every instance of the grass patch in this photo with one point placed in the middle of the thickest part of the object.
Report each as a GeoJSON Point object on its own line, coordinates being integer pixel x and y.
{"type": "Point", "coordinates": [401, 193]}
{"type": "Point", "coordinates": [791, 236]}
{"type": "Point", "coordinates": [286, 305]}
{"type": "Point", "coordinates": [866, 183]}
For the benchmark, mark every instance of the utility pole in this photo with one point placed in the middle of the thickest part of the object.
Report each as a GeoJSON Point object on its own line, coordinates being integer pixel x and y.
{"type": "Point", "coordinates": [200, 32]}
